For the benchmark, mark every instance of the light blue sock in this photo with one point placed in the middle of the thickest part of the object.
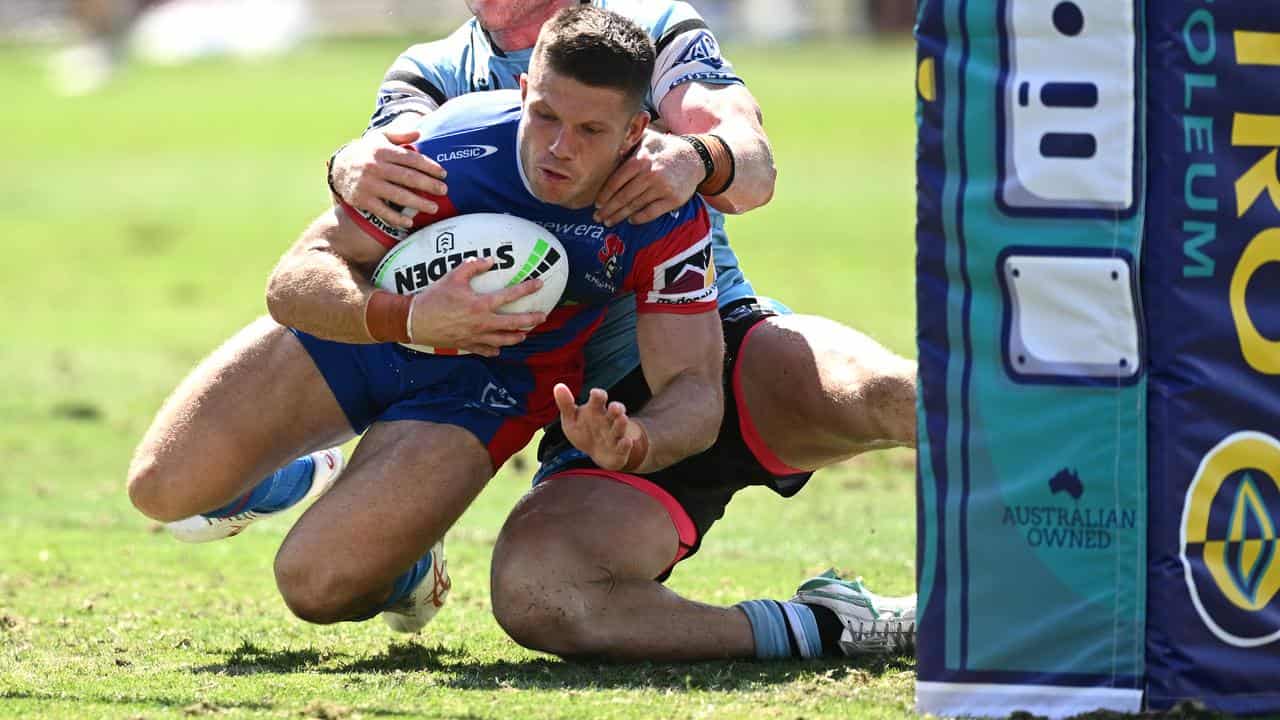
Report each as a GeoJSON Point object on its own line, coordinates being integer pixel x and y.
{"type": "Point", "coordinates": [782, 629]}
{"type": "Point", "coordinates": [277, 491]}
{"type": "Point", "coordinates": [403, 585]}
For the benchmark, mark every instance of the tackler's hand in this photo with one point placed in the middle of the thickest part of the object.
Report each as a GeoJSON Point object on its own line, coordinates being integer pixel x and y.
{"type": "Point", "coordinates": [660, 176]}
{"type": "Point", "coordinates": [382, 174]}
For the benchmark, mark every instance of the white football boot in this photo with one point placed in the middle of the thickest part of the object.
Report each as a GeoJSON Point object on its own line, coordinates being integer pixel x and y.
{"type": "Point", "coordinates": [416, 610]}
{"type": "Point", "coordinates": [873, 625]}
{"type": "Point", "coordinates": [199, 529]}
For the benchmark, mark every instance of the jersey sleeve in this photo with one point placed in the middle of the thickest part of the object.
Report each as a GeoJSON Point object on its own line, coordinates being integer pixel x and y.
{"type": "Point", "coordinates": [687, 52]}
{"type": "Point", "coordinates": [675, 271]}
{"type": "Point", "coordinates": [419, 81]}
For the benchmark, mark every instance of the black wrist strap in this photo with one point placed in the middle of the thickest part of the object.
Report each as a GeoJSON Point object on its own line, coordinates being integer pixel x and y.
{"type": "Point", "coordinates": [733, 165]}
{"type": "Point", "coordinates": [708, 164]}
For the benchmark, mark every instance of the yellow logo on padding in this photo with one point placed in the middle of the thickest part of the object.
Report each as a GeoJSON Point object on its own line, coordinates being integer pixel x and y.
{"type": "Point", "coordinates": [1229, 530]}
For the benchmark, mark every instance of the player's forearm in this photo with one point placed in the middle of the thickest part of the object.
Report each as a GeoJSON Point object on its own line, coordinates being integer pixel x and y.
{"type": "Point", "coordinates": [754, 172]}
{"type": "Point", "coordinates": [731, 113]}
{"type": "Point", "coordinates": [316, 290]}
{"type": "Point", "coordinates": [683, 418]}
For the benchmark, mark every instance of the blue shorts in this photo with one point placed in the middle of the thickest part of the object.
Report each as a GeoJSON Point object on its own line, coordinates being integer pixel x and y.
{"type": "Point", "coordinates": [502, 403]}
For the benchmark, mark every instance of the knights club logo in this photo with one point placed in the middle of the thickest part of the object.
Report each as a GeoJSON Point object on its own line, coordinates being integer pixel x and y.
{"type": "Point", "coordinates": [611, 253]}
{"type": "Point", "coordinates": [1229, 540]}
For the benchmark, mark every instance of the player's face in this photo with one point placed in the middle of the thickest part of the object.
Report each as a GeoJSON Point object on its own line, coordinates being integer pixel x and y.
{"type": "Point", "coordinates": [573, 135]}
{"type": "Point", "coordinates": [504, 15]}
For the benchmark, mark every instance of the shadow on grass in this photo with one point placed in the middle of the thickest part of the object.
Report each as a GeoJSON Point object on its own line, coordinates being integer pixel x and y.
{"type": "Point", "coordinates": [188, 707]}
{"type": "Point", "coordinates": [457, 669]}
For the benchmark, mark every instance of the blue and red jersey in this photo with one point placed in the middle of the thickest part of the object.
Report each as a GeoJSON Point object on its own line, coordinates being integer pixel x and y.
{"type": "Point", "coordinates": [426, 76]}
{"type": "Point", "coordinates": [667, 263]}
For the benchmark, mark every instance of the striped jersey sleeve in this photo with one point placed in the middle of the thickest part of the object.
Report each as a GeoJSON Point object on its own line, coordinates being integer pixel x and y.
{"type": "Point", "coordinates": [420, 80]}
{"type": "Point", "coordinates": [687, 52]}
{"type": "Point", "coordinates": [676, 273]}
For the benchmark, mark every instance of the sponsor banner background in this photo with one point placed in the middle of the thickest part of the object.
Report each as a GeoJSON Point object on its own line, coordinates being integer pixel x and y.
{"type": "Point", "coordinates": [1207, 67]}
{"type": "Point", "coordinates": [1032, 496]}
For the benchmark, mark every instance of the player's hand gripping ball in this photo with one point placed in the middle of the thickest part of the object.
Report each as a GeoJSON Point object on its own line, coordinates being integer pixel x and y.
{"type": "Point", "coordinates": [521, 250]}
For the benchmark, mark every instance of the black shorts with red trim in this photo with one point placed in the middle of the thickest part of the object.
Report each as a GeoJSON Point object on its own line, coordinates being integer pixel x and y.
{"type": "Point", "coordinates": [702, 485]}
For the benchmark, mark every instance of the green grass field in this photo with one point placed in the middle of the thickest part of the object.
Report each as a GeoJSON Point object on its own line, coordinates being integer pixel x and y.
{"type": "Point", "coordinates": [139, 226]}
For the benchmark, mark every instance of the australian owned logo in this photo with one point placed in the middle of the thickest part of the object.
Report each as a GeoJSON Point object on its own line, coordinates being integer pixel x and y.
{"type": "Point", "coordinates": [466, 152]}
{"type": "Point", "coordinates": [1073, 526]}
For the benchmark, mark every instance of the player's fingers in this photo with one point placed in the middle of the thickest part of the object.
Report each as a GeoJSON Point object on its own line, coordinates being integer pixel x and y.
{"type": "Point", "coordinates": [515, 292]}
{"type": "Point", "coordinates": [500, 339]}
{"type": "Point", "coordinates": [656, 209]}
{"type": "Point", "coordinates": [596, 400]}
{"type": "Point", "coordinates": [565, 403]}
{"type": "Point", "coordinates": [617, 209]}
{"type": "Point", "coordinates": [469, 269]}
{"type": "Point", "coordinates": [649, 196]}
{"type": "Point", "coordinates": [401, 137]}
{"type": "Point", "coordinates": [415, 179]}
{"type": "Point", "coordinates": [519, 322]}
{"type": "Point", "coordinates": [482, 350]}
{"type": "Point", "coordinates": [422, 164]}
{"type": "Point", "coordinates": [619, 427]}
{"type": "Point", "coordinates": [393, 193]}
{"type": "Point", "coordinates": [622, 450]}
{"type": "Point", "coordinates": [383, 211]}
{"type": "Point", "coordinates": [621, 176]}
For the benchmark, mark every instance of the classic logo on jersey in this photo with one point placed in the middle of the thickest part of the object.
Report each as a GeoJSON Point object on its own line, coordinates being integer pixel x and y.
{"type": "Point", "coordinates": [703, 49]}
{"type": "Point", "coordinates": [412, 278]}
{"type": "Point", "coordinates": [466, 152]}
{"type": "Point", "coordinates": [1229, 538]}
{"type": "Point", "coordinates": [690, 277]}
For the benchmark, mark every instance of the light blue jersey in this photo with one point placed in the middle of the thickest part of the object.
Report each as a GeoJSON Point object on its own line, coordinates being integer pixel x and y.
{"type": "Point", "coordinates": [426, 76]}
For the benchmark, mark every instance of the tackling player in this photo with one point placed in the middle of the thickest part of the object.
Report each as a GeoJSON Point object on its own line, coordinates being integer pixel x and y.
{"type": "Point", "coordinates": [801, 392]}
{"type": "Point", "coordinates": [437, 427]}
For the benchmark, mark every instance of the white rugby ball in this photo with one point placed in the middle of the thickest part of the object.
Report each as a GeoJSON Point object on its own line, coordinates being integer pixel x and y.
{"type": "Point", "coordinates": [521, 248]}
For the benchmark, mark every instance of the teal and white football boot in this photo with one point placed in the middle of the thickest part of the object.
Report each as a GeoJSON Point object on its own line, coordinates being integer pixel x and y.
{"type": "Point", "coordinates": [873, 625]}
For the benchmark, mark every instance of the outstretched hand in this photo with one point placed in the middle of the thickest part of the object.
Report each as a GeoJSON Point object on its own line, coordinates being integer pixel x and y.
{"type": "Point", "coordinates": [602, 430]}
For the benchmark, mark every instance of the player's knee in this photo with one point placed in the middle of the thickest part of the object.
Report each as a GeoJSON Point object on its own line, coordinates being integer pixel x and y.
{"type": "Point", "coordinates": [315, 591]}
{"type": "Point", "coordinates": [889, 394]}
{"type": "Point", "coordinates": [149, 485]}
{"type": "Point", "coordinates": [534, 595]}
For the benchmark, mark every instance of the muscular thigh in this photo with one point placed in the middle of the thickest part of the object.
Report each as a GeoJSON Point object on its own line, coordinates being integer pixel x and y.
{"type": "Point", "coordinates": [812, 388]}
{"type": "Point", "coordinates": [253, 405]}
{"type": "Point", "coordinates": [406, 484]}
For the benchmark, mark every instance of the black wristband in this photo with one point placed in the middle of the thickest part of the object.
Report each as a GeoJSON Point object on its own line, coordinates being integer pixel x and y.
{"type": "Point", "coordinates": [329, 171]}
{"type": "Point", "coordinates": [707, 163]}
{"type": "Point", "coordinates": [733, 164]}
